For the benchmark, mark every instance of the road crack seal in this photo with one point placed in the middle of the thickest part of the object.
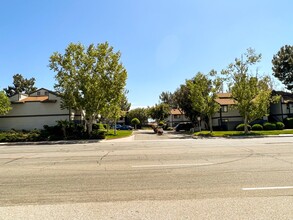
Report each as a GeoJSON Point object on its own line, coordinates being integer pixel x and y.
{"type": "Point", "coordinates": [15, 159]}
{"type": "Point", "coordinates": [99, 162]}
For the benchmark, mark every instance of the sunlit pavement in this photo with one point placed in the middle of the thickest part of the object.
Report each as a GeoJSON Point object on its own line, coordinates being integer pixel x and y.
{"type": "Point", "coordinates": [175, 178]}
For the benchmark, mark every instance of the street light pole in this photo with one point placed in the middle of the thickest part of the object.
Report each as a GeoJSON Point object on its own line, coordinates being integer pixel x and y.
{"type": "Point", "coordinates": [199, 124]}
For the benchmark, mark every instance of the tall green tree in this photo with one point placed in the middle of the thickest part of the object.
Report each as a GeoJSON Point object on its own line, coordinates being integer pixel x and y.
{"type": "Point", "coordinates": [183, 99]}
{"type": "Point", "coordinates": [168, 98]}
{"type": "Point", "coordinates": [5, 105]}
{"type": "Point", "coordinates": [124, 104]}
{"type": "Point", "coordinates": [91, 79]}
{"type": "Point", "coordinates": [21, 85]}
{"type": "Point", "coordinates": [251, 92]}
{"type": "Point", "coordinates": [203, 92]}
{"type": "Point", "coordinates": [140, 113]}
{"type": "Point", "coordinates": [283, 66]}
{"type": "Point", "coordinates": [159, 112]}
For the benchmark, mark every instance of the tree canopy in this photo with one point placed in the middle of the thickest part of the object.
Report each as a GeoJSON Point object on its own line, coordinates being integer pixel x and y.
{"type": "Point", "coordinates": [283, 66]}
{"type": "Point", "coordinates": [135, 122]}
{"type": "Point", "coordinates": [5, 105]}
{"type": "Point", "coordinates": [91, 79]}
{"type": "Point", "coordinates": [251, 92]}
{"type": "Point", "coordinates": [159, 112]}
{"type": "Point", "coordinates": [168, 98]}
{"type": "Point", "coordinates": [183, 99]}
{"type": "Point", "coordinates": [124, 104]}
{"type": "Point", "coordinates": [21, 85]}
{"type": "Point", "coordinates": [140, 113]}
{"type": "Point", "coordinates": [203, 93]}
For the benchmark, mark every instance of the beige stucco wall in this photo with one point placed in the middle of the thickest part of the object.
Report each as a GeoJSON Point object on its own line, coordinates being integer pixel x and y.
{"type": "Point", "coordinates": [31, 115]}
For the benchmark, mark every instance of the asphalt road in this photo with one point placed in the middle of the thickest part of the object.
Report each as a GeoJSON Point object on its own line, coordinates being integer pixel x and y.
{"type": "Point", "coordinates": [149, 177]}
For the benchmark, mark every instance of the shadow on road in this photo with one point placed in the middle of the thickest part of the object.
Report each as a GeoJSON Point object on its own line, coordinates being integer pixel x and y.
{"type": "Point", "coordinates": [150, 135]}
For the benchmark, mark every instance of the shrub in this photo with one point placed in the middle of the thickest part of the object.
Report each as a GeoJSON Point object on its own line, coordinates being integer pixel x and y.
{"type": "Point", "coordinates": [280, 125]}
{"type": "Point", "coordinates": [98, 134]}
{"type": "Point", "coordinates": [240, 127]}
{"type": "Point", "coordinates": [269, 126]}
{"type": "Point", "coordinates": [257, 127]}
{"type": "Point", "coordinates": [288, 122]}
{"type": "Point", "coordinates": [161, 123]}
{"type": "Point", "coordinates": [99, 126]}
{"type": "Point", "coordinates": [135, 122]}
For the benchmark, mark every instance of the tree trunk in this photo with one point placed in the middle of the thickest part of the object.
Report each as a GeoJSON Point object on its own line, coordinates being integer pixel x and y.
{"type": "Point", "coordinates": [90, 125]}
{"type": "Point", "coordinates": [115, 130]}
{"type": "Point", "coordinates": [210, 124]}
{"type": "Point", "coordinates": [245, 125]}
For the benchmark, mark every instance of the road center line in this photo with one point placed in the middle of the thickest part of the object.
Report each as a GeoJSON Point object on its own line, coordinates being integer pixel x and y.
{"type": "Point", "coordinates": [268, 188]}
{"type": "Point", "coordinates": [171, 165]}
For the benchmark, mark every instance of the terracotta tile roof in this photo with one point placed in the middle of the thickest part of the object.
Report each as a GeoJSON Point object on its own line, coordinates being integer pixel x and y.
{"type": "Point", "coordinates": [224, 95]}
{"type": "Point", "coordinates": [176, 111]}
{"type": "Point", "coordinates": [225, 101]}
{"type": "Point", "coordinates": [35, 99]}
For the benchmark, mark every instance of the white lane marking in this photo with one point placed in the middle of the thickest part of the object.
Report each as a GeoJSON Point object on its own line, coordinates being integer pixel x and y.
{"type": "Point", "coordinates": [269, 188]}
{"type": "Point", "coordinates": [171, 165]}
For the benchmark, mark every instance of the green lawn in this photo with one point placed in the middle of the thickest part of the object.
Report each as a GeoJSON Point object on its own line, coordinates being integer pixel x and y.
{"type": "Point", "coordinates": [240, 133]}
{"type": "Point", "coordinates": [120, 134]}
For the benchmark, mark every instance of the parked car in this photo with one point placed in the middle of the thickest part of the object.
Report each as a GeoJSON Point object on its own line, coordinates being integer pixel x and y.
{"type": "Point", "coordinates": [118, 126]}
{"type": "Point", "coordinates": [186, 126]}
{"type": "Point", "coordinates": [125, 127]}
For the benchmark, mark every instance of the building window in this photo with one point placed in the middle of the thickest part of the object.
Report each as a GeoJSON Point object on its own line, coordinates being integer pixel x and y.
{"type": "Point", "coordinates": [46, 93]}
{"type": "Point", "coordinates": [177, 116]}
{"type": "Point", "coordinates": [224, 108]}
{"type": "Point", "coordinates": [38, 93]}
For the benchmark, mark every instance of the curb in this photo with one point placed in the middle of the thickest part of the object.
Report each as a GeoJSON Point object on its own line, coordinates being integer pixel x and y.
{"type": "Point", "coordinates": [51, 142]}
{"type": "Point", "coordinates": [245, 137]}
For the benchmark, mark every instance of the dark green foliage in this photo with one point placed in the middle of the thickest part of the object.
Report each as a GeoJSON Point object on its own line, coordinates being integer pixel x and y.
{"type": "Point", "coordinates": [19, 136]}
{"type": "Point", "coordinates": [288, 123]}
{"type": "Point", "coordinates": [98, 134]}
{"type": "Point", "coordinates": [159, 111]}
{"type": "Point", "coordinates": [140, 113]}
{"type": "Point", "coordinates": [99, 126]}
{"type": "Point", "coordinates": [269, 126]}
{"type": "Point", "coordinates": [182, 97]}
{"type": "Point", "coordinates": [135, 121]}
{"type": "Point", "coordinates": [168, 98]}
{"type": "Point", "coordinates": [161, 123]}
{"type": "Point", "coordinates": [50, 133]}
{"type": "Point", "coordinates": [257, 127]}
{"type": "Point", "coordinates": [283, 66]}
{"type": "Point", "coordinates": [20, 85]}
{"type": "Point", "coordinates": [240, 127]}
{"type": "Point", "coordinates": [61, 131]}
{"type": "Point", "coordinates": [280, 126]}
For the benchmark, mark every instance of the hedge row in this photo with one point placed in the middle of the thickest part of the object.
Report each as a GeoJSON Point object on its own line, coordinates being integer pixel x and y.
{"type": "Point", "coordinates": [288, 123]}
{"type": "Point", "coordinates": [265, 126]}
{"type": "Point", "coordinates": [66, 131]}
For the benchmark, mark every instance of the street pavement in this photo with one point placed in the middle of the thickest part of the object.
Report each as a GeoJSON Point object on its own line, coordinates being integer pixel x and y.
{"type": "Point", "coordinates": [147, 176]}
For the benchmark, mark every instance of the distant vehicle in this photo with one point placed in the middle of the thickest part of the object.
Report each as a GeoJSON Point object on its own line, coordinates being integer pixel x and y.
{"type": "Point", "coordinates": [118, 126]}
{"type": "Point", "coordinates": [125, 127]}
{"type": "Point", "coordinates": [186, 126]}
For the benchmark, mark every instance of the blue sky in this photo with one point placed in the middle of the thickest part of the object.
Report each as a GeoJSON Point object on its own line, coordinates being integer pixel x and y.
{"type": "Point", "coordinates": [163, 42]}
